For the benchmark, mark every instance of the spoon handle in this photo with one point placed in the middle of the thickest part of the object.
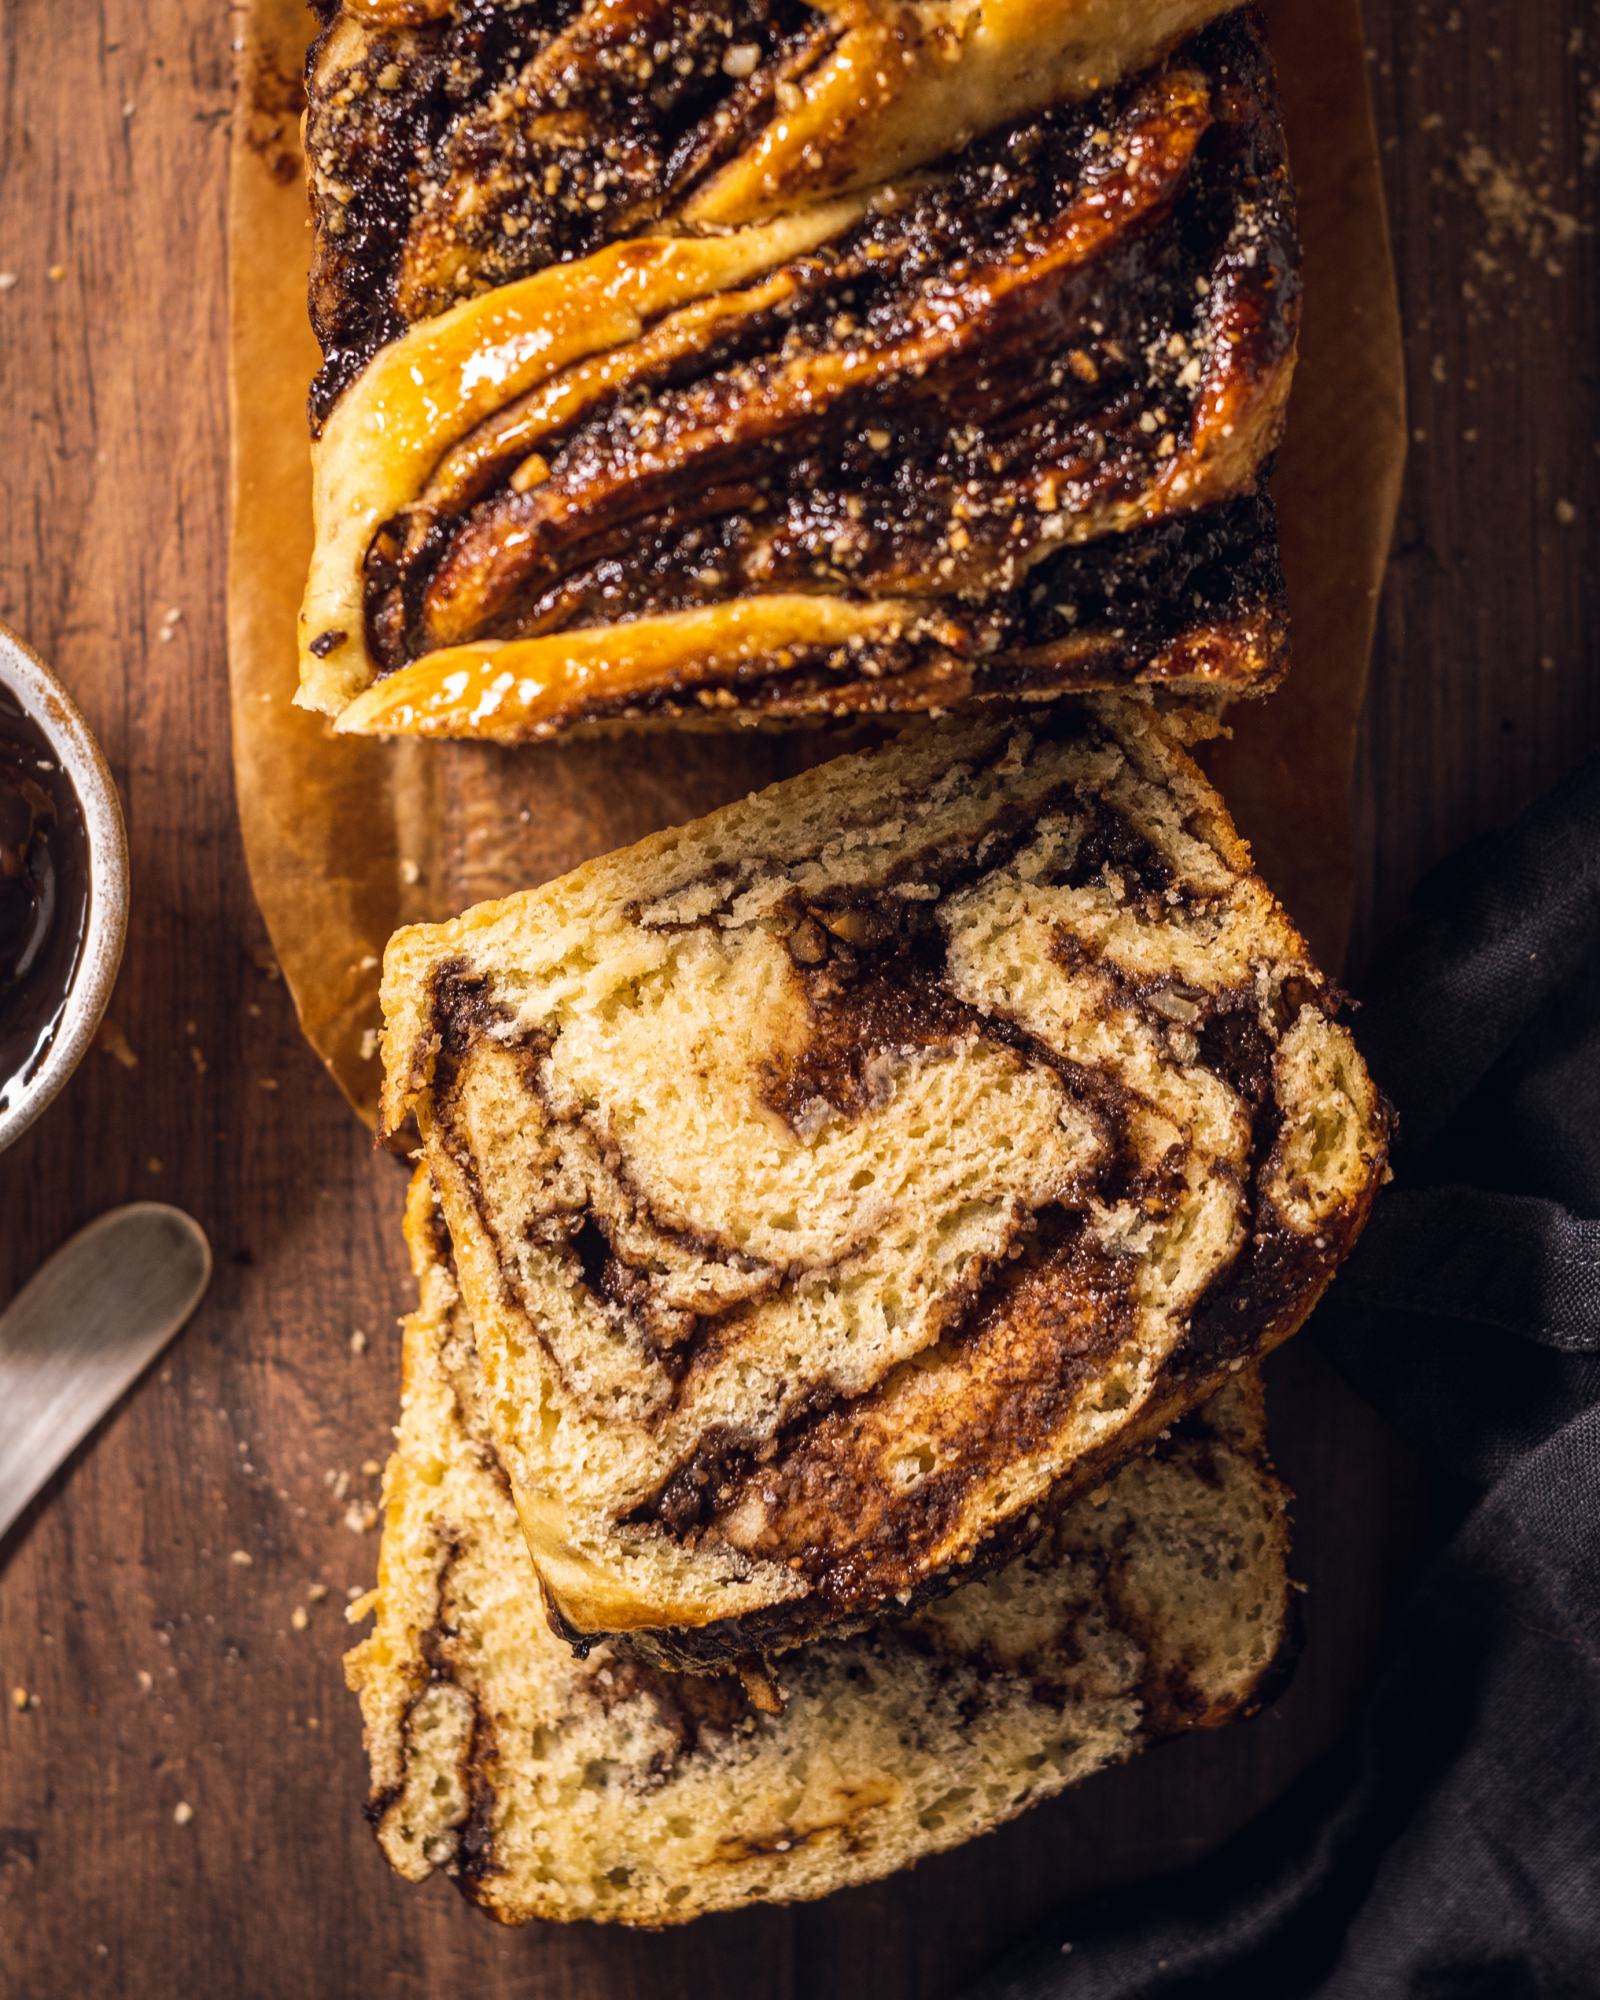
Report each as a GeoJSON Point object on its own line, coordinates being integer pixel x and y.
{"type": "Point", "coordinates": [87, 1323]}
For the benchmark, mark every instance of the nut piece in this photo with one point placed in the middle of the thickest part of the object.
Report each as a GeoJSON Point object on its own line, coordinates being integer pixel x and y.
{"type": "Point", "coordinates": [807, 944]}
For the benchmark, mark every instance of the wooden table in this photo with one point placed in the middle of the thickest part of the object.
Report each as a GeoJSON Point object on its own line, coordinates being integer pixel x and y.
{"type": "Point", "coordinates": [148, 1603]}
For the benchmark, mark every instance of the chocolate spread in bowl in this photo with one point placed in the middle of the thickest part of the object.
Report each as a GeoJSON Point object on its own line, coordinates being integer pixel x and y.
{"type": "Point", "coordinates": [44, 895]}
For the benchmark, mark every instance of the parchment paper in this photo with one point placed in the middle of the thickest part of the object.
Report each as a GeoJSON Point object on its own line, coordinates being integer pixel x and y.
{"type": "Point", "coordinates": [346, 839]}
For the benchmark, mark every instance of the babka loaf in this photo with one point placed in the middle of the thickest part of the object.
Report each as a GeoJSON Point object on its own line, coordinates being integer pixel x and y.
{"type": "Point", "coordinates": [554, 1788]}
{"type": "Point", "coordinates": [657, 386]}
{"type": "Point", "coordinates": [843, 1182]}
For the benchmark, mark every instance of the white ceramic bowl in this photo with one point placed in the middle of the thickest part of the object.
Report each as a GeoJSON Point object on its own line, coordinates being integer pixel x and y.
{"type": "Point", "coordinates": [49, 705]}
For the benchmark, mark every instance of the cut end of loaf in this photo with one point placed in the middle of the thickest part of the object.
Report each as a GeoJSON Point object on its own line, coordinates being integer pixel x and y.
{"type": "Point", "coordinates": [842, 1183]}
{"type": "Point", "coordinates": [558, 1789]}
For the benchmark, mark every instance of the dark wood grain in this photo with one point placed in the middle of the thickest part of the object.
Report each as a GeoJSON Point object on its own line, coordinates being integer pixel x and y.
{"type": "Point", "coordinates": [164, 1670]}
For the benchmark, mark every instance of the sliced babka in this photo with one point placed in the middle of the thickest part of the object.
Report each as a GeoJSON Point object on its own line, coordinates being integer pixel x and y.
{"type": "Point", "coordinates": [551, 1787]}
{"type": "Point", "coordinates": [843, 1182]}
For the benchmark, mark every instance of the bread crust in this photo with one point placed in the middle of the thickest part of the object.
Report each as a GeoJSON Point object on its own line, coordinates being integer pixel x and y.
{"type": "Point", "coordinates": [900, 444]}
{"type": "Point", "coordinates": [455, 147]}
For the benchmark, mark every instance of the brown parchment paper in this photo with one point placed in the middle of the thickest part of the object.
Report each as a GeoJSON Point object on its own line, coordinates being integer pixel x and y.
{"type": "Point", "coordinates": [347, 839]}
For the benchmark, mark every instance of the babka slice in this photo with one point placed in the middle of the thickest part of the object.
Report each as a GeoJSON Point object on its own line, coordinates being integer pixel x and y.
{"type": "Point", "coordinates": [996, 426]}
{"type": "Point", "coordinates": [844, 1181]}
{"type": "Point", "coordinates": [556, 1788]}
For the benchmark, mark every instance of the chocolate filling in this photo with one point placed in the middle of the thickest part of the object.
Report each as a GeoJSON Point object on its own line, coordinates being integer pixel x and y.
{"type": "Point", "coordinates": [830, 1491]}
{"type": "Point", "coordinates": [44, 895]}
{"type": "Point", "coordinates": [1001, 383]}
{"type": "Point", "coordinates": [915, 411]}
{"type": "Point", "coordinates": [1028, 1341]}
{"type": "Point", "coordinates": [478, 148]}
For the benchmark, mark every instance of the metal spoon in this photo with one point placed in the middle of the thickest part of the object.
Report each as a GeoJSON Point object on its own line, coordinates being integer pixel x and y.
{"type": "Point", "coordinates": [87, 1323]}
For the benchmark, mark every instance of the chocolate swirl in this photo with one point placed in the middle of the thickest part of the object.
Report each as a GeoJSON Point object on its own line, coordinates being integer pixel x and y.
{"type": "Point", "coordinates": [551, 1787]}
{"type": "Point", "coordinates": [995, 426]}
{"type": "Point", "coordinates": [846, 1183]}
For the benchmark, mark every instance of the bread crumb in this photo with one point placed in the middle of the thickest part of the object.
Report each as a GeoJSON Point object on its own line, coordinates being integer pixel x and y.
{"type": "Point", "coordinates": [317, 1592]}
{"type": "Point", "coordinates": [358, 1341]}
{"type": "Point", "coordinates": [1566, 513]}
{"type": "Point", "coordinates": [56, 273]}
{"type": "Point", "coordinates": [1513, 211]}
{"type": "Point", "coordinates": [183, 1812]}
{"type": "Point", "coordinates": [20, 1698]}
{"type": "Point", "coordinates": [242, 1557]}
{"type": "Point", "coordinates": [299, 1618]}
{"type": "Point", "coordinates": [111, 1041]}
{"type": "Point", "coordinates": [7, 280]}
{"type": "Point", "coordinates": [361, 1517]}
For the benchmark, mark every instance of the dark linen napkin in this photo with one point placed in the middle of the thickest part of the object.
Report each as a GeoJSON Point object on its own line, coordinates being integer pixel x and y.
{"type": "Point", "coordinates": [1451, 1849]}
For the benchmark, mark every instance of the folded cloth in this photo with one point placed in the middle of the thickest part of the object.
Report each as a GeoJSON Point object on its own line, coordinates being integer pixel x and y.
{"type": "Point", "coordinates": [1452, 1849]}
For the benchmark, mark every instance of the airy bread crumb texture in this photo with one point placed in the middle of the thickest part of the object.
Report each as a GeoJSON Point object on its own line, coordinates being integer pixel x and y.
{"type": "Point", "coordinates": [550, 1787]}
{"type": "Point", "coordinates": [841, 1182]}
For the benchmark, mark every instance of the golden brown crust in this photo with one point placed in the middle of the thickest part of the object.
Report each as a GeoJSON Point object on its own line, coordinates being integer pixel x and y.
{"type": "Point", "coordinates": [453, 147]}
{"type": "Point", "coordinates": [888, 454]}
